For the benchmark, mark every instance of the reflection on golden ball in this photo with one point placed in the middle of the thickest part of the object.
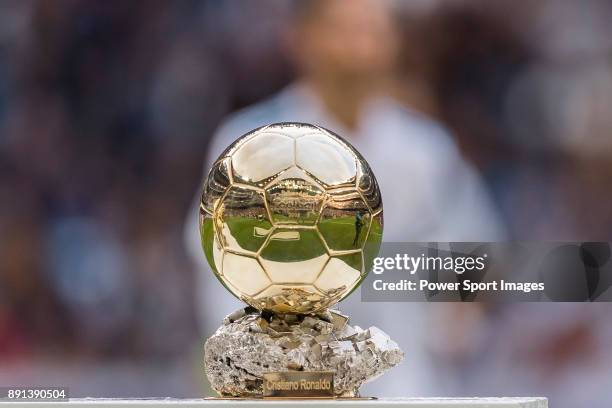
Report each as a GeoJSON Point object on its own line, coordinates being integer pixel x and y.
{"type": "Point", "coordinates": [291, 218]}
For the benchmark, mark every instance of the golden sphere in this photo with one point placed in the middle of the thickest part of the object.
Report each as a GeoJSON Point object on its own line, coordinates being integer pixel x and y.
{"type": "Point", "coordinates": [291, 218]}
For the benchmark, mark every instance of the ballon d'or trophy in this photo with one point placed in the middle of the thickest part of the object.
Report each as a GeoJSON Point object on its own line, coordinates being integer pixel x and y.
{"type": "Point", "coordinates": [291, 220]}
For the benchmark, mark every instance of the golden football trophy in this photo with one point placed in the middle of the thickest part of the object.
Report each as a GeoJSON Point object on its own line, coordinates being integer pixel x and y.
{"type": "Point", "coordinates": [291, 220]}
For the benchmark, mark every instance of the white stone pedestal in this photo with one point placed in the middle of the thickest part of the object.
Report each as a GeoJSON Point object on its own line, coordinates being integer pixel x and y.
{"type": "Point", "coordinates": [219, 403]}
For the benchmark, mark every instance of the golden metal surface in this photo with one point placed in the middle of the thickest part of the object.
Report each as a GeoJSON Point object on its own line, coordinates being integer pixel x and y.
{"type": "Point", "coordinates": [291, 218]}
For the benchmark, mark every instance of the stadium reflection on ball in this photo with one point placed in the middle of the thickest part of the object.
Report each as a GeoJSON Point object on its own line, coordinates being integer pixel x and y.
{"type": "Point", "coordinates": [291, 218]}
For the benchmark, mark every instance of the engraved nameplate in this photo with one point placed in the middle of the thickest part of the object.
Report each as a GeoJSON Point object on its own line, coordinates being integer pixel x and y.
{"type": "Point", "coordinates": [298, 384]}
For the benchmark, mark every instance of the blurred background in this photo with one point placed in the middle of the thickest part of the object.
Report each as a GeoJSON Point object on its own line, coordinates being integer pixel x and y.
{"type": "Point", "coordinates": [107, 109]}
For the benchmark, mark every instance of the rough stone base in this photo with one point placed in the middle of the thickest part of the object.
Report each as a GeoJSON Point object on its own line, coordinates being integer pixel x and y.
{"type": "Point", "coordinates": [249, 343]}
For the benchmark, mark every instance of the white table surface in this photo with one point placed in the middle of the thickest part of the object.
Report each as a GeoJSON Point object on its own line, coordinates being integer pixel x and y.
{"type": "Point", "coordinates": [226, 403]}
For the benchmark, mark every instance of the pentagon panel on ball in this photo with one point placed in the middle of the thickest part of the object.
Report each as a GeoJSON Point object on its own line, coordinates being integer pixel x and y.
{"type": "Point", "coordinates": [291, 218]}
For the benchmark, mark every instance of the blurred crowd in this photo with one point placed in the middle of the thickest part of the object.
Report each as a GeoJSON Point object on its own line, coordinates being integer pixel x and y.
{"type": "Point", "coordinates": [107, 109]}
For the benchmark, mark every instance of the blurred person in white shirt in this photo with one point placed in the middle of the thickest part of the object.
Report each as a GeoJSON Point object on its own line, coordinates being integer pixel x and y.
{"type": "Point", "coordinates": [345, 53]}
